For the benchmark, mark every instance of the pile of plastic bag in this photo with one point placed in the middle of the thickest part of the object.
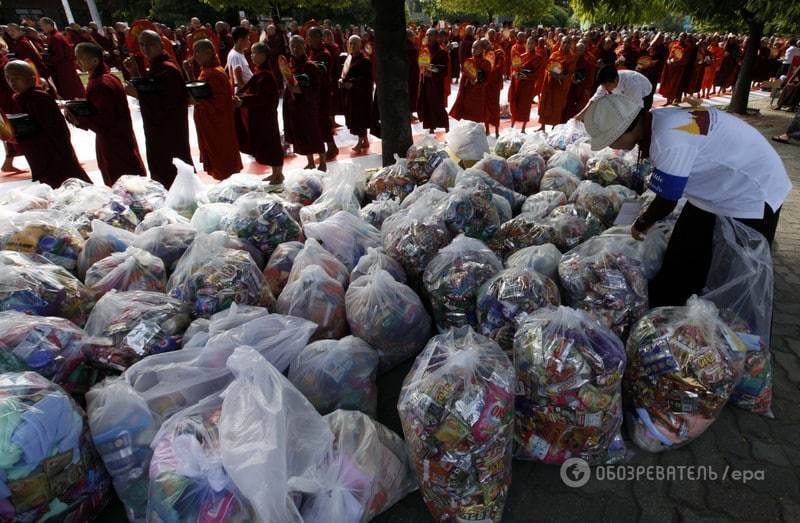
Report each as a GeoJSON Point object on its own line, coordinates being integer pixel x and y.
{"type": "Point", "coordinates": [46, 233]}
{"type": "Point", "coordinates": [131, 270]}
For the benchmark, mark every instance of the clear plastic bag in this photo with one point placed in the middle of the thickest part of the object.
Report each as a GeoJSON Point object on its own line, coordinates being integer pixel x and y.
{"type": "Point", "coordinates": [319, 298]}
{"type": "Point", "coordinates": [82, 204]}
{"type": "Point", "coordinates": [536, 143]}
{"type": "Point", "coordinates": [313, 254]}
{"type": "Point", "coordinates": [506, 296]}
{"type": "Point", "coordinates": [600, 201]}
{"type": "Point", "coordinates": [231, 189]}
{"type": "Point", "coordinates": [457, 411]}
{"type": "Point", "coordinates": [211, 217]}
{"type": "Point", "coordinates": [345, 236]}
{"type": "Point", "coordinates": [376, 212]}
{"type": "Point", "coordinates": [103, 241]}
{"type": "Point", "coordinates": [650, 251]}
{"type": "Point", "coordinates": [605, 278]}
{"type": "Point", "coordinates": [162, 216]}
{"type": "Point", "coordinates": [389, 316]}
{"type": "Point", "coordinates": [392, 182]}
{"type": "Point", "coordinates": [562, 135]}
{"type": "Point", "coordinates": [219, 322]}
{"type": "Point", "coordinates": [543, 259]}
{"type": "Point", "coordinates": [430, 193]}
{"type": "Point", "coordinates": [683, 365]}
{"type": "Point", "coordinates": [169, 242]}
{"type": "Point", "coordinates": [377, 259]}
{"type": "Point", "coordinates": [187, 192]}
{"type": "Point", "coordinates": [475, 177]}
{"type": "Point", "coordinates": [335, 198]}
{"type": "Point", "coordinates": [303, 187]}
{"type": "Point", "coordinates": [569, 401]}
{"type": "Point", "coordinates": [142, 194]}
{"type": "Point", "coordinates": [471, 212]}
{"type": "Point", "coordinates": [280, 265]}
{"type": "Point", "coordinates": [572, 226]}
{"type": "Point", "coordinates": [453, 278]}
{"type": "Point", "coordinates": [444, 175]}
{"type": "Point", "coordinates": [467, 141]}
{"type": "Point", "coordinates": [50, 470]}
{"type": "Point", "coordinates": [423, 157]}
{"type": "Point", "coordinates": [608, 168]}
{"type": "Point", "coordinates": [44, 232]}
{"type": "Point", "coordinates": [527, 170]}
{"type": "Point", "coordinates": [582, 150]}
{"type": "Point", "coordinates": [263, 222]}
{"type": "Point", "coordinates": [502, 207]}
{"type": "Point", "coordinates": [497, 168]}
{"type": "Point", "coordinates": [525, 230]}
{"type": "Point", "coordinates": [347, 173]}
{"type": "Point", "coordinates": [740, 283]}
{"type": "Point", "coordinates": [558, 179]}
{"type": "Point", "coordinates": [27, 198]}
{"type": "Point", "coordinates": [337, 374]}
{"type": "Point", "coordinates": [542, 203]}
{"type": "Point", "coordinates": [132, 270]}
{"type": "Point", "coordinates": [509, 143]}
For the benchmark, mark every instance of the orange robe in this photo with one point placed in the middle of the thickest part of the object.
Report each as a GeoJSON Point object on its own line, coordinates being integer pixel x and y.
{"type": "Point", "coordinates": [556, 89]}
{"type": "Point", "coordinates": [542, 53]}
{"type": "Point", "coordinates": [494, 86]}
{"type": "Point", "coordinates": [216, 132]}
{"type": "Point", "coordinates": [716, 53]}
{"type": "Point", "coordinates": [521, 92]}
{"type": "Point", "coordinates": [673, 71]}
{"type": "Point", "coordinates": [471, 99]}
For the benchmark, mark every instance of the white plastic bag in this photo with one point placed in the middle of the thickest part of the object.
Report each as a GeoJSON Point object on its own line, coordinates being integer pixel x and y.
{"type": "Point", "coordinates": [187, 192]}
{"type": "Point", "coordinates": [211, 217]}
{"type": "Point", "coordinates": [161, 216]}
{"type": "Point", "coordinates": [103, 241]}
{"type": "Point", "coordinates": [345, 236]}
{"type": "Point", "coordinates": [132, 270]}
{"type": "Point", "coordinates": [313, 254]}
{"type": "Point", "coordinates": [319, 298]}
{"type": "Point", "coordinates": [467, 140]}
{"type": "Point", "coordinates": [377, 259]}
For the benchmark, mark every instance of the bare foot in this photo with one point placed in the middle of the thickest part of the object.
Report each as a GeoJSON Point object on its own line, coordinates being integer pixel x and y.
{"type": "Point", "coordinates": [310, 166]}
{"type": "Point", "coordinates": [332, 153]}
{"type": "Point", "coordinates": [8, 167]}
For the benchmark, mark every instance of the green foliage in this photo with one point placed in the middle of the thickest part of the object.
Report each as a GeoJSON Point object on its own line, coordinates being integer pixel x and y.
{"type": "Point", "coordinates": [526, 9]}
{"type": "Point", "coordinates": [620, 12]}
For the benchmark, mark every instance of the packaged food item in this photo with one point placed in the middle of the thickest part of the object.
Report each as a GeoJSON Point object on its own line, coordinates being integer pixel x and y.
{"type": "Point", "coordinates": [467, 141]}
{"type": "Point", "coordinates": [572, 226]}
{"type": "Point", "coordinates": [142, 194]}
{"type": "Point", "coordinates": [187, 192]}
{"type": "Point", "coordinates": [377, 259]}
{"type": "Point", "coordinates": [527, 170]}
{"type": "Point", "coordinates": [313, 254]}
{"type": "Point", "coordinates": [683, 365]}
{"type": "Point", "coordinates": [611, 169]}
{"type": "Point", "coordinates": [280, 265]}
{"type": "Point", "coordinates": [44, 232]}
{"type": "Point", "coordinates": [131, 270]}
{"type": "Point", "coordinates": [423, 157]}
{"type": "Point", "coordinates": [453, 278]}
{"type": "Point", "coordinates": [161, 216]}
{"type": "Point", "coordinates": [457, 411]}
{"type": "Point", "coordinates": [376, 212]}
{"type": "Point", "coordinates": [231, 189]}
{"type": "Point", "coordinates": [509, 294]}
{"type": "Point", "coordinates": [50, 469]}
{"type": "Point", "coordinates": [169, 242]}
{"type": "Point", "coordinates": [471, 212]}
{"type": "Point", "coordinates": [558, 179]}
{"type": "Point", "coordinates": [598, 200]}
{"type": "Point", "coordinates": [543, 202]}
{"type": "Point", "coordinates": [211, 217]}
{"type": "Point", "coordinates": [414, 236]}
{"type": "Point", "coordinates": [337, 374]}
{"type": "Point", "coordinates": [562, 135]}
{"type": "Point", "coordinates": [389, 316]}
{"type": "Point", "coordinates": [543, 259]}
{"type": "Point", "coordinates": [522, 231]}
{"type": "Point", "coordinates": [103, 241]}
{"type": "Point", "coordinates": [345, 236]}
{"type": "Point", "coordinates": [317, 297]}
{"type": "Point", "coordinates": [473, 177]}
{"type": "Point", "coordinates": [263, 222]}
{"type": "Point", "coordinates": [303, 187]}
{"type": "Point", "coordinates": [393, 182]}
{"type": "Point", "coordinates": [497, 168]}
{"type": "Point", "coordinates": [569, 403]}
{"type": "Point", "coordinates": [509, 143]}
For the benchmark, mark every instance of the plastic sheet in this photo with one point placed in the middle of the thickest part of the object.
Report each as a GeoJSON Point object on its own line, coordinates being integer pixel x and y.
{"type": "Point", "coordinates": [45, 233]}
{"type": "Point", "coordinates": [169, 242]}
{"type": "Point", "coordinates": [103, 241]}
{"type": "Point", "coordinates": [132, 270]}
{"type": "Point", "coordinates": [423, 157]}
{"type": "Point", "coordinates": [569, 404]}
{"type": "Point", "coordinates": [600, 201]}
{"type": "Point", "coordinates": [317, 297]}
{"type": "Point", "coordinates": [389, 316]}
{"type": "Point", "coordinates": [558, 179]}
{"type": "Point", "coordinates": [231, 189]}
{"type": "Point", "coordinates": [457, 411]}
{"type": "Point", "coordinates": [542, 203]}
{"type": "Point", "coordinates": [345, 236]}
{"type": "Point", "coordinates": [142, 194]}
{"type": "Point", "coordinates": [280, 265]}
{"type": "Point", "coordinates": [376, 259]}
{"type": "Point", "coordinates": [466, 140]}
{"type": "Point", "coordinates": [162, 216]}
{"type": "Point", "coordinates": [376, 212]}
{"type": "Point", "coordinates": [497, 168]}
{"type": "Point", "coordinates": [527, 170]}
{"type": "Point", "coordinates": [263, 222]}
{"type": "Point", "coordinates": [543, 259]}
{"type": "Point", "coordinates": [187, 192]}
{"type": "Point", "coordinates": [211, 217]}
{"type": "Point", "coordinates": [471, 212]}
{"type": "Point", "coordinates": [392, 182]}
{"type": "Point", "coordinates": [313, 254]}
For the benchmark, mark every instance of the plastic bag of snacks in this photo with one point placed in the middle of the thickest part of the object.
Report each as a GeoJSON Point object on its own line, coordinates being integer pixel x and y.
{"type": "Point", "coordinates": [211, 276]}
{"type": "Point", "coordinates": [543, 259]}
{"type": "Point", "coordinates": [683, 365]}
{"type": "Point", "coordinates": [605, 278]}
{"type": "Point", "coordinates": [187, 192]}
{"type": "Point", "coordinates": [335, 198]}
{"type": "Point", "coordinates": [583, 150]}
{"type": "Point", "coordinates": [81, 205]}
{"type": "Point", "coordinates": [569, 404]}
{"type": "Point", "coordinates": [509, 294]}
{"type": "Point", "coordinates": [304, 186]}
{"type": "Point", "coordinates": [623, 193]}
{"type": "Point", "coordinates": [168, 242]}
{"type": "Point", "coordinates": [45, 233]}
{"type": "Point", "coordinates": [142, 194]}
{"type": "Point", "coordinates": [536, 143]}
{"type": "Point", "coordinates": [502, 207]}
{"type": "Point", "coordinates": [467, 141]}
{"type": "Point", "coordinates": [543, 202]}
{"type": "Point", "coordinates": [509, 143]}
{"type": "Point", "coordinates": [28, 198]}
{"type": "Point", "coordinates": [526, 172]}
{"type": "Point", "coordinates": [423, 157]}
{"type": "Point", "coordinates": [162, 216]}
{"type": "Point", "coordinates": [558, 179]}
{"type": "Point", "coordinates": [317, 297]}
{"type": "Point", "coordinates": [568, 133]}
{"type": "Point", "coordinates": [211, 217]}
{"type": "Point", "coordinates": [202, 329]}
{"type": "Point", "coordinates": [50, 470]}
{"type": "Point", "coordinates": [231, 189]}
{"type": "Point", "coordinates": [392, 182]}
{"type": "Point", "coordinates": [389, 316]}
{"type": "Point", "coordinates": [313, 254]}
{"type": "Point", "coordinates": [474, 177]}
{"type": "Point", "coordinates": [345, 236]}
{"type": "Point", "coordinates": [431, 192]}
{"type": "Point", "coordinates": [567, 161]}
{"type": "Point", "coordinates": [377, 259]}
{"type": "Point", "coordinates": [740, 283]}
{"type": "Point", "coordinates": [522, 231]}
{"type": "Point", "coordinates": [414, 236]}
{"type": "Point", "coordinates": [49, 346]}
{"type": "Point", "coordinates": [444, 175]}
{"type": "Point", "coordinates": [649, 251]}
{"type": "Point", "coordinates": [132, 270]}
{"type": "Point", "coordinates": [280, 265]}
{"type": "Point", "coordinates": [607, 168]}
{"type": "Point", "coordinates": [471, 212]}
{"type": "Point", "coordinates": [453, 278]}
{"type": "Point", "coordinates": [30, 284]}
{"type": "Point", "coordinates": [140, 323]}
{"type": "Point", "coordinates": [263, 222]}
{"type": "Point", "coordinates": [376, 212]}
{"type": "Point", "coordinates": [457, 411]}
{"type": "Point", "coordinates": [600, 201]}
{"type": "Point", "coordinates": [497, 168]}
{"type": "Point", "coordinates": [103, 241]}
{"type": "Point", "coordinates": [337, 374]}
{"type": "Point", "coordinates": [572, 226]}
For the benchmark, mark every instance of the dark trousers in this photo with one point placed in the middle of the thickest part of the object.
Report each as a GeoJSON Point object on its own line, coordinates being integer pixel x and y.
{"type": "Point", "coordinates": [688, 256]}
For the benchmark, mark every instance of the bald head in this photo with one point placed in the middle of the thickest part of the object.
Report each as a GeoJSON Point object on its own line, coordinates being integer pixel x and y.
{"type": "Point", "coordinates": [297, 46]}
{"type": "Point", "coordinates": [203, 45]}
{"type": "Point", "coordinates": [47, 24]}
{"type": "Point", "coordinates": [20, 75]}
{"type": "Point", "coordinates": [354, 44]}
{"type": "Point", "coordinates": [149, 37]}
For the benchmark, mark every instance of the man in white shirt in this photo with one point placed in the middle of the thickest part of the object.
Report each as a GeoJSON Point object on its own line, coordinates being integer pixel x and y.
{"type": "Point", "coordinates": [791, 52]}
{"type": "Point", "coordinates": [630, 84]}
{"type": "Point", "coordinates": [237, 67]}
{"type": "Point", "coordinates": [720, 164]}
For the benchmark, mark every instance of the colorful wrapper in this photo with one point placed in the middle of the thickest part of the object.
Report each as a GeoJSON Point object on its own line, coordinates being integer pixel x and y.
{"type": "Point", "coordinates": [316, 297]}
{"type": "Point", "coordinates": [527, 170]}
{"type": "Point", "coordinates": [280, 265]}
{"type": "Point", "coordinates": [263, 222]}
{"type": "Point", "coordinates": [142, 194]}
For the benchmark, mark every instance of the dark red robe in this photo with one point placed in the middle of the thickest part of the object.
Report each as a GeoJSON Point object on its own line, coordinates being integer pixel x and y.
{"type": "Point", "coordinates": [521, 92]}
{"type": "Point", "coordinates": [658, 54]}
{"type": "Point", "coordinates": [278, 46]}
{"type": "Point", "coordinates": [556, 88]}
{"type": "Point", "coordinates": [470, 102]}
{"type": "Point", "coordinates": [48, 150]}
{"type": "Point", "coordinates": [260, 103]}
{"type": "Point", "coordinates": [358, 99]}
{"type": "Point", "coordinates": [465, 50]}
{"type": "Point", "coordinates": [432, 104]}
{"type": "Point", "coordinates": [165, 116]}
{"type": "Point", "coordinates": [726, 75]}
{"type": "Point", "coordinates": [216, 131]}
{"type": "Point", "coordinates": [336, 73]}
{"type": "Point", "coordinates": [673, 71]}
{"type": "Point", "coordinates": [494, 85]}
{"type": "Point", "coordinates": [412, 53]}
{"type": "Point", "coordinates": [115, 143]}
{"type": "Point", "coordinates": [580, 91]}
{"type": "Point", "coordinates": [301, 110]}
{"type": "Point", "coordinates": [8, 106]}
{"type": "Point", "coordinates": [324, 61]}
{"type": "Point", "coordinates": [24, 49]}
{"type": "Point", "coordinates": [61, 63]}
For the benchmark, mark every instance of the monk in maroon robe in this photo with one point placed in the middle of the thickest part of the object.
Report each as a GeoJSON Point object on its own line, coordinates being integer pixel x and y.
{"type": "Point", "coordinates": [115, 143]}
{"type": "Point", "coordinates": [48, 147]}
{"type": "Point", "coordinates": [356, 84]}
{"type": "Point", "coordinates": [432, 104]}
{"type": "Point", "coordinates": [580, 91]}
{"type": "Point", "coordinates": [301, 106]}
{"type": "Point", "coordinates": [61, 62]}
{"type": "Point", "coordinates": [163, 101]}
{"type": "Point", "coordinates": [465, 50]}
{"type": "Point", "coordinates": [673, 71]}
{"type": "Point", "coordinates": [336, 73]}
{"type": "Point", "coordinates": [319, 55]}
{"type": "Point", "coordinates": [412, 53]}
{"type": "Point", "coordinates": [494, 84]}
{"type": "Point", "coordinates": [7, 106]}
{"type": "Point", "coordinates": [24, 49]}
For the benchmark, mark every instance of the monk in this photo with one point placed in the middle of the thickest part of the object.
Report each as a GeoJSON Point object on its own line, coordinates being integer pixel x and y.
{"type": "Point", "coordinates": [465, 50]}
{"type": "Point", "coordinates": [726, 74]}
{"type": "Point", "coordinates": [432, 103]}
{"type": "Point", "coordinates": [523, 82]}
{"type": "Point", "coordinates": [7, 106]}
{"type": "Point", "coordinates": [412, 53]}
{"type": "Point", "coordinates": [319, 55]}
{"type": "Point", "coordinates": [698, 67]}
{"type": "Point", "coordinates": [301, 106]}
{"type": "Point", "coordinates": [48, 148]}
{"type": "Point", "coordinates": [544, 54]}
{"type": "Point", "coordinates": [714, 53]}
{"type": "Point", "coordinates": [24, 49]}
{"type": "Point", "coordinates": [657, 53]}
{"type": "Point", "coordinates": [518, 49]}
{"type": "Point", "coordinates": [560, 69]}
{"type": "Point", "coordinates": [673, 71]}
{"type": "Point", "coordinates": [61, 62]}
{"type": "Point", "coordinates": [259, 97]}
{"type": "Point", "coordinates": [163, 101]}
{"type": "Point", "coordinates": [470, 102]}
{"type": "Point", "coordinates": [115, 143]}
{"type": "Point", "coordinates": [453, 48]}
{"type": "Point", "coordinates": [628, 55]}
{"type": "Point", "coordinates": [580, 91]}
{"type": "Point", "coordinates": [356, 84]}
{"type": "Point", "coordinates": [494, 84]}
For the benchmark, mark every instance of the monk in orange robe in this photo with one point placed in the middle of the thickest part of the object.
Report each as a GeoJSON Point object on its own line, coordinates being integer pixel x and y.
{"type": "Point", "coordinates": [544, 53]}
{"type": "Point", "coordinates": [524, 73]}
{"type": "Point", "coordinates": [674, 70]}
{"type": "Point", "coordinates": [580, 92]}
{"type": "Point", "coordinates": [715, 54]}
{"type": "Point", "coordinates": [557, 81]}
{"type": "Point", "coordinates": [213, 116]}
{"type": "Point", "coordinates": [471, 99]}
{"type": "Point", "coordinates": [494, 84]}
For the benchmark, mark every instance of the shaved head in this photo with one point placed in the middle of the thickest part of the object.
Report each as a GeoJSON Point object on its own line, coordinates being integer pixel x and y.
{"type": "Point", "coordinates": [203, 45]}
{"type": "Point", "coordinates": [20, 68]}
{"type": "Point", "coordinates": [149, 37]}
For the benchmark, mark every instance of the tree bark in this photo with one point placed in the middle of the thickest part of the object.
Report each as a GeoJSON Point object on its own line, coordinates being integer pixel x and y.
{"type": "Point", "coordinates": [741, 93]}
{"type": "Point", "coordinates": [392, 80]}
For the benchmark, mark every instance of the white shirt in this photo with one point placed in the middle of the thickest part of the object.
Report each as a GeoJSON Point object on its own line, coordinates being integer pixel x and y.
{"type": "Point", "coordinates": [791, 52]}
{"type": "Point", "coordinates": [632, 85]}
{"type": "Point", "coordinates": [718, 162]}
{"type": "Point", "coordinates": [237, 59]}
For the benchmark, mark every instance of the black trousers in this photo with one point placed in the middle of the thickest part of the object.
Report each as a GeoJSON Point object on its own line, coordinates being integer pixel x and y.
{"type": "Point", "coordinates": [688, 256]}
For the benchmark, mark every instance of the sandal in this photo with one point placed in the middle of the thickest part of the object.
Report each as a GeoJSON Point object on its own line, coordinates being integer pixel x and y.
{"type": "Point", "coordinates": [779, 139]}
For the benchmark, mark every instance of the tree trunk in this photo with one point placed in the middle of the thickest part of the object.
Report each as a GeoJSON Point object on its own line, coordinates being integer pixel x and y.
{"type": "Point", "coordinates": [741, 93]}
{"type": "Point", "coordinates": [392, 81]}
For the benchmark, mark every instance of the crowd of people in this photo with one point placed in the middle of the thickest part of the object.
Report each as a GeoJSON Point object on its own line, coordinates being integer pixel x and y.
{"type": "Point", "coordinates": [235, 79]}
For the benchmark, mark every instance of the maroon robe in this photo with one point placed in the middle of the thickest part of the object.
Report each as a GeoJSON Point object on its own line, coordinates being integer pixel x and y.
{"type": "Point", "coordinates": [278, 46]}
{"type": "Point", "coordinates": [61, 62]}
{"type": "Point", "coordinates": [358, 99]}
{"type": "Point", "coordinates": [413, 76]}
{"type": "Point", "coordinates": [165, 115]}
{"type": "Point", "coordinates": [260, 100]}
{"type": "Point", "coordinates": [48, 150]}
{"type": "Point", "coordinates": [336, 73]}
{"type": "Point", "coordinates": [323, 59]}
{"type": "Point", "coordinates": [432, 104]}
{"type": "Point", "coordinates": [24, 49]}
{"type": "Point", "coordinates": [225, 46]}
{"type": "Point", "coordinates": [8, 106]}
{"type": "Point", "coordinates": [465, 50]}
{"type": "Point", "coordinates": [301, 110]}
{"type": "Point", "coordinates": [115, 143]}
